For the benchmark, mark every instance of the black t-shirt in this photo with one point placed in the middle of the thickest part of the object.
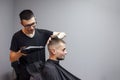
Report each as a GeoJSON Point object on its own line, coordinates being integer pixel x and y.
{"type": "Point", "coordinates": [40, 39]}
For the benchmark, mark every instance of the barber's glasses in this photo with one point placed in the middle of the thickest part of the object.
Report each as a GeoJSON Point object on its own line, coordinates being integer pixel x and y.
{"type": "Point", "coordinates": [30, 25]}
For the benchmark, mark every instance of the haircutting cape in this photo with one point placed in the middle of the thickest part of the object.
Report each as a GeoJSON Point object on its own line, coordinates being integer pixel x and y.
{"type": "Point", "coordinates": [53, 71]}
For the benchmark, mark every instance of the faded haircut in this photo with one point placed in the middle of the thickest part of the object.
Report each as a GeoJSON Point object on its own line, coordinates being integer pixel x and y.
{"type": "Point", "coordinates": [54, 42]}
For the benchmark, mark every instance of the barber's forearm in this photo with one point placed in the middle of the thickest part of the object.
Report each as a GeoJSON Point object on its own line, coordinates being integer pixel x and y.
{"type": "Point", "coordinates": [14, 56]}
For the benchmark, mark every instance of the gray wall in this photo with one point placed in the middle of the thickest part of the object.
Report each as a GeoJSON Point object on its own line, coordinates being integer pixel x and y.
{"type": "Point", "coordinates": [6, 31]}
{"type": "Point", "coordinates": [92, 27]}
{"type": "Point", "coordinates": [93, 33]}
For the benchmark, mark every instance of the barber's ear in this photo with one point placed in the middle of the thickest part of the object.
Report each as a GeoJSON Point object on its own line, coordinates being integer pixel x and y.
{"type": "Point", "coordinates": [21, 23]}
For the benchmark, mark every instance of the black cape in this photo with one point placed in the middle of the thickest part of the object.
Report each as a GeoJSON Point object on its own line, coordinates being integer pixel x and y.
{"type": "Point", "coordinates": [54, 71]}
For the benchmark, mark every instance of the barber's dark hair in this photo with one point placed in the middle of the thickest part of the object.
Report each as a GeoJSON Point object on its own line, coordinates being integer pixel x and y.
{"type": "Point", "coordinates": [26, 14]}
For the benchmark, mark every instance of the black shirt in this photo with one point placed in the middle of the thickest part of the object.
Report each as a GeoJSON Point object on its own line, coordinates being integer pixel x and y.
{"type": "Point", "coordinates": [40, 39]}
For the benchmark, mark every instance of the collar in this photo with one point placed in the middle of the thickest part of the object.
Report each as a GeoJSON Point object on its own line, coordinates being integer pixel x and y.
{"type": "Point", "coordinates": [53, 61]}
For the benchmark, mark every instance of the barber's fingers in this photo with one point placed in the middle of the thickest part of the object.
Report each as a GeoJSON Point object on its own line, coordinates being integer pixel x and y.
{"type": "Point", "coordinates": [22, 54]}
{"type": "Point", "coordinates": [49, 40]}
{"type": "Point", "coordinates": [61, 35]}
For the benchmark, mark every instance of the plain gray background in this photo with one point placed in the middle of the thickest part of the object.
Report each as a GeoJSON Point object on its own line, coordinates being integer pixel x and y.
{"type": "Point", "coordinates": [92, 27]}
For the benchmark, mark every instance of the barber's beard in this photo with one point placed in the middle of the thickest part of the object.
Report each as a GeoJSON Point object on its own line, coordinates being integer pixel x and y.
{"type": "Point", "coordinates": [31, 35]}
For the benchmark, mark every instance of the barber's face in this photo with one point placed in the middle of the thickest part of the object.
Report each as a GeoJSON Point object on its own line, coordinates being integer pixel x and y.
{"type": "Point", "coordinates": [61, 52]}
{"type": "Point", "coordinates": [29, 25]}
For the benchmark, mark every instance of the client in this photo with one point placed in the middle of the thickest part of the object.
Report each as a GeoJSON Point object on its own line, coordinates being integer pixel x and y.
{"type": "Point", "coordinates": [52, 69]}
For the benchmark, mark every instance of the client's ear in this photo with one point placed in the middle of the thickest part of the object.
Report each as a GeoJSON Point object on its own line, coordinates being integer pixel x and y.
{"type": "Point", "coordinates": [53, 51]}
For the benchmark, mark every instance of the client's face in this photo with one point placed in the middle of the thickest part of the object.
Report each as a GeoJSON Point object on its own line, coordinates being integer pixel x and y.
{"type": "Point", "coordinates": [61, 51]}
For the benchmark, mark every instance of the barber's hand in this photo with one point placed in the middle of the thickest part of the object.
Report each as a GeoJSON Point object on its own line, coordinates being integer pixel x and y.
{"type": "Point", "coordinates": [21, 54]}
{"type": "Point", "coordinates": [49, 40]}
{"type": "Point", "coordinates": [61, 35]}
